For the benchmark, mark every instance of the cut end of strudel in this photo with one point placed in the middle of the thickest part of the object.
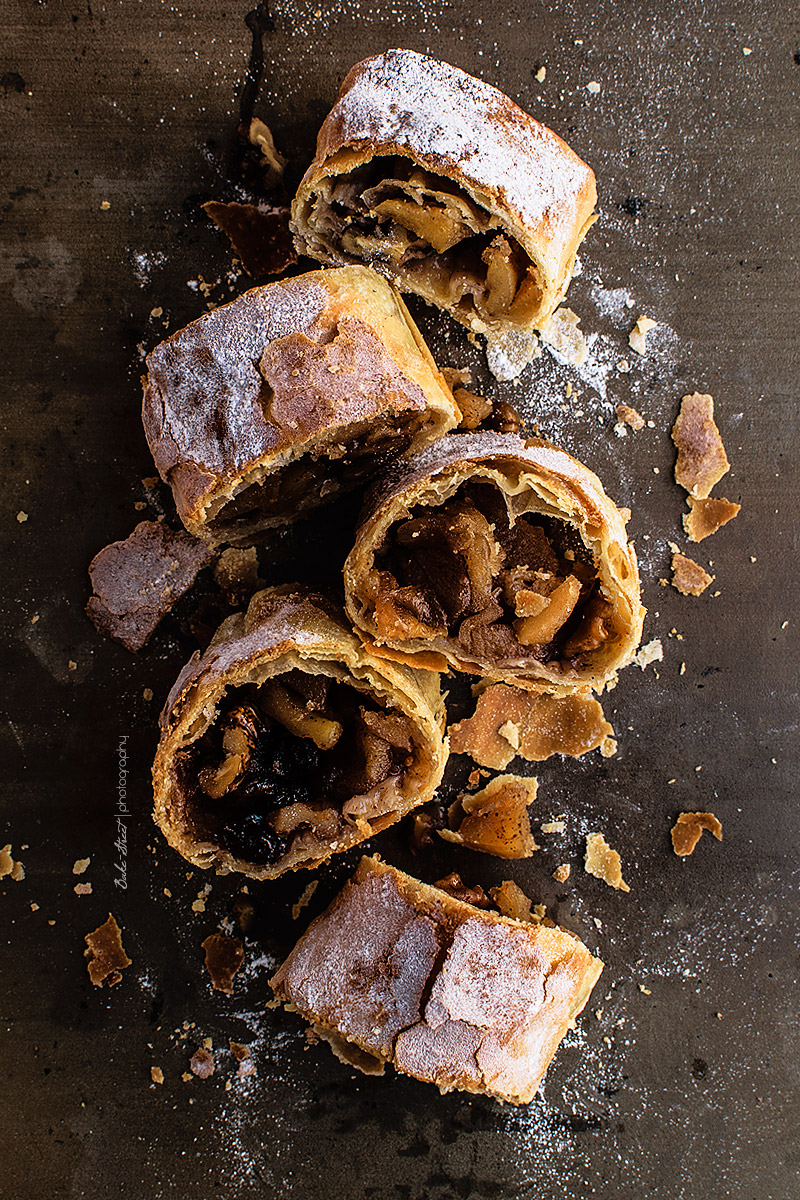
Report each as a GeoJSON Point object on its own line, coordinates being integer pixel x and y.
{"type": "Point", "coordinates": [499, 557]}
{"type": "Point", "coordinates": [288, 741]}
{"type": "Point", "coordinates": [445, 185]}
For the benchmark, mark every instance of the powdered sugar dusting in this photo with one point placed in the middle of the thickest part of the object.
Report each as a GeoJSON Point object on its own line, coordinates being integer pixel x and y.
{"type": "Point", "coordinates": [438, 112]}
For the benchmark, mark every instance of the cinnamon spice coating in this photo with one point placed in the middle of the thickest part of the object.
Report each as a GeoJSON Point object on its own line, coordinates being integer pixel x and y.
{"type": "Point", "coordinates": [446, 992]}
{"type": "Point", "coordinates": [498, 557]}
{"type": "Point", "coordinates": [442, 183]}
{"type": "Point", "coordinates": [269, 406]}
{"type": "Point", "coordinates": [288, 741]}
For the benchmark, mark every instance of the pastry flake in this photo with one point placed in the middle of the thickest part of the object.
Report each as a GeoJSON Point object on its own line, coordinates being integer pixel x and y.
{"type": "Point", "coordinates": [269, 406]}
{"type": "Point", "coordinates": [688, 829]}
{"type": "Point", "coordinates": [688, 576]}
{"type": "Point", "coordinates": [288, 741]}
{"type": "Point", "coordinates": [707, 516]}
{"type": "Point", "coordinates": [504, 558]}
{"type": "Point", "coordinates": [603, 862]}
{"type": "Point", "coordinates": [446, 992]}
{"type": "Point", "coordinates": [260, 235]}
{"type": "Point", "coordinates": [138, 580]}
{"type": "Point", "coordinates": [442, 183]}
{"type": "Point", "coordinates": [702, 460]}
{"type": "Point", "coordinates": [508, 721]}
{"type": "Point", "coordinates": [495, 820]}
{"type": "Point", "coordinates": [105, 957]}
{"type": "Point", "coordinates": [224, 957]}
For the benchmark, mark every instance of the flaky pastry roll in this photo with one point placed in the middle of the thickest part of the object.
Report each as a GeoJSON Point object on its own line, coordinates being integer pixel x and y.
{"type": "Point", "coordinates": [442, 183]}
{"type": "Point", "coordinates": [398, 972]}
{"type": "Point", "coordinates": [499, 557]}
{"type": "Point", "coordinates": [288, 741]}
{"type": "Point", "coordinates": [267, 407]}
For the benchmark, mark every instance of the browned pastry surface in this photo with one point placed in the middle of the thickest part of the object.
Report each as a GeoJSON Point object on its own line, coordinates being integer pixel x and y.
{"type": "Point", "coordinates": [499, 557]}
{"type": "Point", "coordinates": [444, 184]}
{"type": "Point", "coordinates": [268, 406]}
{"type": "Point", "coordinates": [137, 581]}
{"type": "Point", "coordinates": [448, 993]}
{"type": "Point", "coordinates": [288, 741]}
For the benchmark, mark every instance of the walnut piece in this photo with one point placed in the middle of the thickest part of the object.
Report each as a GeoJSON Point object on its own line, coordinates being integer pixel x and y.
{"type": "Point", "coordinates": [224, 957]}
{"type": "Point", "coordinates": [496, 819]}
{"type": "Point", "coordinates": [702, 460]}
{"type": "Point", "coordinates": [689, 577]}
{"type": "Point", "coordinates": [104, 954]}
{"type": "Point", "coordinates": [688, 829]}
{"type": "Point", "coordinates": [508, 720]}
{"type": "Point", "coordinates": [454, 885]}
{"type": "Point", "coordinates": [707, 516]}
{"type": "Point", "coordinates": [603, 862]}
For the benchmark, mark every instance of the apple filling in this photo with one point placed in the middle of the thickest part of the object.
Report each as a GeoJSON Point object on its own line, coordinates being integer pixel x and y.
{"type": "Point", "coordinates": [504, 589]}
{"type": "Point", "coordinates": [433, 237]}
{"type": "Point", "coordinates": [290, 764]}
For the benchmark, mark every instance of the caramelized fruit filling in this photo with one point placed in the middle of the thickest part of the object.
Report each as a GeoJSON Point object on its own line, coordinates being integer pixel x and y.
{"type": "Point", "coordinates": [298, 758]}
{"type": "Point", "coordinates": [432, 234]}
{"type": "Point", "coordinates": [503, 591]}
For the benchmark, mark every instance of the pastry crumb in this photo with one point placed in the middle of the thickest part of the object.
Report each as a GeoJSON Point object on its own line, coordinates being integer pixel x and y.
{"type": "Point", "coordinates": [540, 75]}
{"type": "Point", "coordinates": [561, 334]}
{"type": "Point", "coordinates": [603, 862]}
{"type": "Point", "coordinates": [708, 515]}
{"type": "Point", "coordinates": [652, 652]}
{"type": "Point", "coordinates": [688, 829]}
{"type": "Point", "coordinates": [688, 577]}
{"type": "Point", "coordinates": [553, 826]}
{"type": "Point", "coordinates": [9, 867]}
{"type": "Point", "coordinates": [593, 86]}
{"type": "Point", "coordinates": [82, 889]}
{"type": "Point", "coordinates": [22, 517]}
{"type": "Point", "coordinates": [562, 873]}
{"type": "Point", "coordinates": [304, 899]}
{"type": "Point", "coordinates": [157, 1075]}
{"type": "Point", "coordinates": [629, 416]}
{"type": "Point", "coordinates": [201, 1063]}
{"type": "Point", "coordinates": [637, 338]}
{"type": "Point", "coordinates": [80, 866]}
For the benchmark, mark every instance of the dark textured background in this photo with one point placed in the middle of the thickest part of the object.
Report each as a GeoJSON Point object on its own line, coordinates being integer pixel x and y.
{"type": "Point", "coordinates": [688, 1089]}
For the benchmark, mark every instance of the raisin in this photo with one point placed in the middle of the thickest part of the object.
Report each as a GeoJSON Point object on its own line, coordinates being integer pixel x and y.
{"type": "Point", "coordinates": [250, 835]}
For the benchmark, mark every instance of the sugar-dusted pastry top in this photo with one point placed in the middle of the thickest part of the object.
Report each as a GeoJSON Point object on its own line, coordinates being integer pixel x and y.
{"type": "Point", "coordinates": [482, 165]}
{"type": "Point", "coordinates": [499, 557]}
{"type": "Point", "coordinates": [288, 741]}
{"type": "Point", "coordinates": [327, 368]}
{"type": "Point", "coordinates": [446, 992]}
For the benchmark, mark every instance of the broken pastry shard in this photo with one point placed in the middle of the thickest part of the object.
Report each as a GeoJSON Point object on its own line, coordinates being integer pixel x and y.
{"type": "Point", "coordinates": [442, 183]}
{"type": "Point", "coordinates": [447, 993]}
{"type": "Point", "coordinates": [689, 577]}
{"type": "Point", "coordinates": [269, 406]}
{"type": "Point", "coordinates": [496, 820]}
{"type": "Point", "coordinates": [137, 581]}
{"type": "Point", "coordinates": [508, 721]}
{"type": "Point", "coordinates": [688, 829]}
{"type": "Point", "coordinates": [702, 460]}
{"type": "Point", "coordinates": [105, 958]}
{"type": "Point", "coordinates": [707, 516]}
{"type": "Point", "coordinates": [224, 957]}
{"type": "Point", "coordinates": [260, 236]}
{"type": "Point", "coordinates": [288, 741]}
{"type": "Point", "coordinates": [498, 557]}
{"type": "Point", "coordinates": [603, 862]}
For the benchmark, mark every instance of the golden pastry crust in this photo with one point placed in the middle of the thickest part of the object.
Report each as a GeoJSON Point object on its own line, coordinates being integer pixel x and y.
{"type": "Point", "coordinates": [532, 478]}
{"type": "Point", "coordinates": [488, 168]}
{"type": "Point", "coordinates": [446, 992]}
{"type": "Point", "coordinates": [289, 629]}
{"type": "Point", "coordinates": [268, 406]}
